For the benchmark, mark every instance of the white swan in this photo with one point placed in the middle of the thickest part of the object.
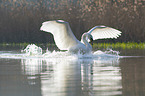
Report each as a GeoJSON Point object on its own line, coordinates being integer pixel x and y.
{"type": "Point", "coordinates": [65, 39]}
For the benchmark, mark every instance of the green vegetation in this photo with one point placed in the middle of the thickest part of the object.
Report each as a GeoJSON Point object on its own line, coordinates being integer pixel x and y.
{"type": "Point", "coordinates": [24, 44]}
{"type": "Point", "coordinates": [128, 45]}
{"type": "Point", "coordinates": [13, 44]}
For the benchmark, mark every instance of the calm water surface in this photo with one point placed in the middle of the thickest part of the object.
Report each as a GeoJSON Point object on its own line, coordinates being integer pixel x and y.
{"type": "Point", "coordinates": [66, 77]}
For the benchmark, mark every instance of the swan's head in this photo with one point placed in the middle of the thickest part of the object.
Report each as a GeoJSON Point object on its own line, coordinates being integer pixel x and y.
{"type": "Point", "coordinates": [88, 37]}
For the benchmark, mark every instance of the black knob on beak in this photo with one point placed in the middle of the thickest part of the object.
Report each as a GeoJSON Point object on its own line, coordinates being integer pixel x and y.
{"type": "Point", "coordinates": [91, 41]}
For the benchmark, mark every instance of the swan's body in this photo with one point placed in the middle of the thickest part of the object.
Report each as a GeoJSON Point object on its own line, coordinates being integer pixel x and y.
{"type": "Point", "coordinates": [65, 39]}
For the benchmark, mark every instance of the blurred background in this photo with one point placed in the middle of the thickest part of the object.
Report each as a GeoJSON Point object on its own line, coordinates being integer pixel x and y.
{"type": "Point", "coordinates": [20, 20]}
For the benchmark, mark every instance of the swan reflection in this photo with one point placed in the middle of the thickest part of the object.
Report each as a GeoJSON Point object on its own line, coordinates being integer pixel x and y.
{"type": "Point", "coordinates": [63, 77]}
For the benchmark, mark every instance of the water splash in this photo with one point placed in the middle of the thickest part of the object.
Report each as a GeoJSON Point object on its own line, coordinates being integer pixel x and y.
{"type": "Point", "coordinates": [110, 51]}
{"type": "Point", "coordinates": [33, 51]}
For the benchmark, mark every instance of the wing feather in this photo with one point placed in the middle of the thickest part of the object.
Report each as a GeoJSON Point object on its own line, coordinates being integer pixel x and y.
{"type": "Point", "coordinates": [63, 36]}
{"type": "Point", "coordinates": [103, 32]}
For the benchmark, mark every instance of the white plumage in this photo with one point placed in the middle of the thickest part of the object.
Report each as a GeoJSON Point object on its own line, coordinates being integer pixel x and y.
{"type": "Point", "coordinates": [103, 32]}
{"type": "Point", "coordinates": [65, 39]}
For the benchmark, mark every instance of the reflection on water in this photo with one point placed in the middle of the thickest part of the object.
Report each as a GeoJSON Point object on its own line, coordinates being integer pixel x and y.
{"type": "Point", "coordinates": [61, 77]}
{"type": "Point", "coordinates": [64, 75]}
{"type": "Point", "coordinates": [133, 76]}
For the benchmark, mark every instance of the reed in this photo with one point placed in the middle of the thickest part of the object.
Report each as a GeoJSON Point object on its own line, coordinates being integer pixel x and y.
{"type": "Point", "coordinates": [13, 44]}
{"type": "Point", "coordinates": [21, 19]}
{"type": "Point", "coordinates": [128, 45]}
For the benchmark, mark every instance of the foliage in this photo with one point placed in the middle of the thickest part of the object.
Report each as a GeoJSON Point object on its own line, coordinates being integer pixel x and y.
{"type": "Point", "coordinates": [21, 19]}
{"type": "Point", "coordinates": [118, 45]}
{"type": "Point", "coordinates": [128, 45]}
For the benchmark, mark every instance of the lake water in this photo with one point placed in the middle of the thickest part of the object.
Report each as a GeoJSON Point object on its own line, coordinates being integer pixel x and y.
{"type": "Point", "coordinates": [102, 75]}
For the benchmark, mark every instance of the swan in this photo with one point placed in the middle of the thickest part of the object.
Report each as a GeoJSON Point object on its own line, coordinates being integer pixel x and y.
{"type": "Point", "coordinates": [65, 39]}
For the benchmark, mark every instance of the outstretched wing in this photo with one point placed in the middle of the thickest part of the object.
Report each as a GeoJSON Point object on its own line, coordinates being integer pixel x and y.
{"type": "Point", "coordinates": [103, 32]}
{"type": "Point", "coordinates": [63, 36]}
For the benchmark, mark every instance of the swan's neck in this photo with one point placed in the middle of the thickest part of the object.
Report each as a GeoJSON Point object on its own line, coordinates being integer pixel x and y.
{"type": "Point", "coordinates": [84, 39]}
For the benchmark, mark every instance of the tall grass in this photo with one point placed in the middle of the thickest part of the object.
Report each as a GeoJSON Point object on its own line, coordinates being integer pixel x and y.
{"type": "Point", "coordinates": [128, 45]}
{"type": "Point", "coordinates": [21, 19]}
